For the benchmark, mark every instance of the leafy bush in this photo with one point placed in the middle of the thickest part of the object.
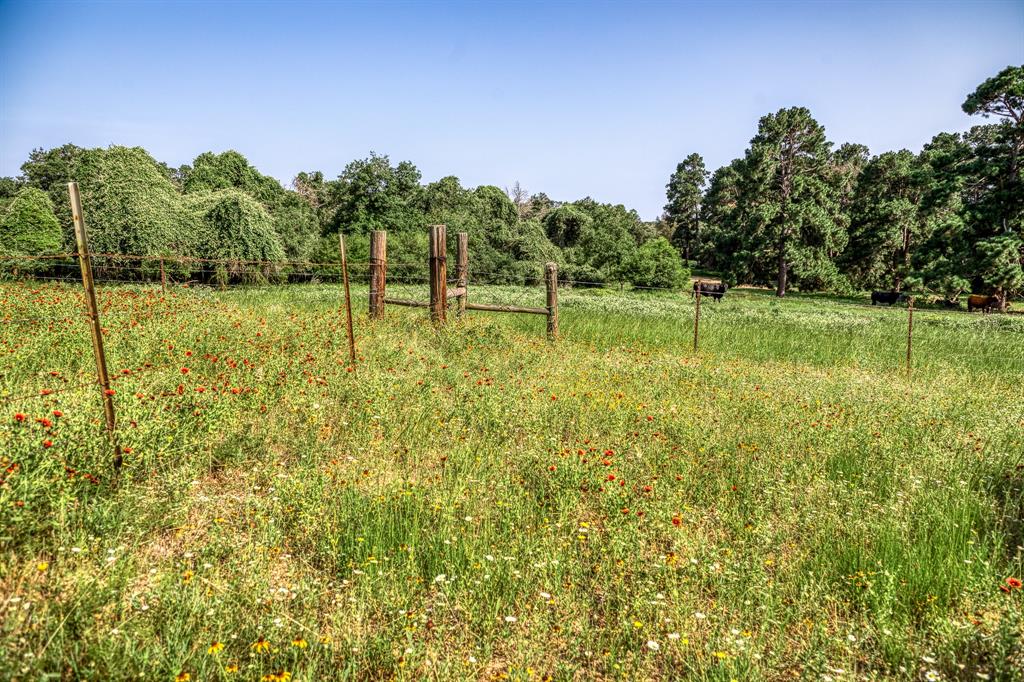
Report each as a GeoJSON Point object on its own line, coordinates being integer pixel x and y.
{"type": "Point", "coordinates": [234, 226]}
{"type": "Point", "coordinates": [656, 264]}
{"type": "Point", "coordinates": [29, 228]}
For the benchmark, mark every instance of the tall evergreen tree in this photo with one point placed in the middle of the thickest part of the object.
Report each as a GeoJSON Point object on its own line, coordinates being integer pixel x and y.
{"type": "Point", "coordinates": [685, 191]}
{"type": "Point", "coordinates": [789, 206]}
{"type": "Point", "coordinates": [887, 225]}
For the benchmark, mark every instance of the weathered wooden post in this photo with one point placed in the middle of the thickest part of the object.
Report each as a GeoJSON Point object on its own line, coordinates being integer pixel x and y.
{"type": "Point", "coordinates": [462, 270]}
{"type": "Point", "coordinates": [378, 272]}
{"type": "Point", "coordinates": [102, 378]}
{"type": "Point", "coordinates": [348, 301]}
{"type": "Point", "coordinates": [163, 276]}
{"type": "Point", "coordinates": [910, 330]}
{"type": "Point", "coordinates": [551, 282]}
{"type": "Point", "coordinates": [696, 316]}
{"type": "Point", "coordinates": [438, 273]}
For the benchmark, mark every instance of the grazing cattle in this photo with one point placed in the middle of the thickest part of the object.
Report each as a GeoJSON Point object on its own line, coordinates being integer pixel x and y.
{"type": "Point", "coordinates": [887, 297]}
{"type": "Point", "coordinates": [982, 303]}
{"type": "Point", "coordinates": [712, 289]}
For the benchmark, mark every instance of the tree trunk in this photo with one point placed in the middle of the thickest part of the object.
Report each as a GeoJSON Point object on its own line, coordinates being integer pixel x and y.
{"type": "Point", "coordinates": [780, 288]}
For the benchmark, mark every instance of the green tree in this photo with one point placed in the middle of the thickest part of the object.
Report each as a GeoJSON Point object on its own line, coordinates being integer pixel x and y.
{"type": "Point", "coordinates": [656, 264]}
{"type": "Point", "coordinates": [994, 201]}
{"type": "Point", "coordinates": [788, 204]}
{"type": "Point", "coordinates": [295, 219]}
{"type": "Point", "coordinates": [371, 194]}
{"type": "Point", "coordinates": [233, 225]}
{"type": "Point", "coordinates": [130, 205]}
{"type": "Point", "coordinates": [887, 224]}
{"type": "Point", "coordinates": [722, 247]}
{"type": "Point", "coordinates": [685, 192]}
{"type": "Point", "coordinates": [29, 227]}
{"type": "Point", "coordinates": [51, 170]}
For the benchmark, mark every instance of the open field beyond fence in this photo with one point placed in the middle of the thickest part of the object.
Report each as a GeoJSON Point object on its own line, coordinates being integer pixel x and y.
{"type": "Point", "coordinates": [477, 502]}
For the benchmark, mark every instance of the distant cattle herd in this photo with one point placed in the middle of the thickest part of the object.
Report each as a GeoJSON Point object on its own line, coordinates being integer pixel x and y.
{"type": "Point", "coordinates": [986, 304]}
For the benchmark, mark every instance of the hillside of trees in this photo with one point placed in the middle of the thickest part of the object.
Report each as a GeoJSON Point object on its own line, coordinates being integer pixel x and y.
{"type": "Point", "coordinates": [796, 211]}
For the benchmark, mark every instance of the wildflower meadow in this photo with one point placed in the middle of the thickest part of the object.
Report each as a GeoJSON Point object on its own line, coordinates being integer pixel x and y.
{"type": "Point", "coordinates": [477, 502]}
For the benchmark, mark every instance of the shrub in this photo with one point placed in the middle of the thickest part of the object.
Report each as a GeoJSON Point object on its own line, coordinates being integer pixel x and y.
{"type": "Point", "coordinates": [234, 226]}
{"type": "Point", "coordinates": [656, 264]}
{"type": "Point", "coordinates": [29, 228]}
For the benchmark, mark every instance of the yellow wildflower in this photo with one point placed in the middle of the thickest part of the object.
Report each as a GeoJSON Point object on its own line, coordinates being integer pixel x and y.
{"type": "Point", "coordinates": [260, 646]}
{"type": "Point", "coordinates": [299, 643]}
{"type": "Point", "coordinates": [215, 648]}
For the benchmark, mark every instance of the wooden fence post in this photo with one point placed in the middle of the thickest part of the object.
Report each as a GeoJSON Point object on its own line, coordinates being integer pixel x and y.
{"type": "Point", "coordinates": [102, 378]}
{"type": "Point", "coordinates": [438, 273]}
{"type": "Point", "coordinates": [348, 301]}
{"type": "Point", "coordinates": [696, 316]}
{"type": "Point", "coordinates": [910, 330]}
{"type": "Point", "coordinates": [163, 276]}
{"type": "Point", "coordinates": [378, 272]}
{"type": "Point", "coordinates": [462, 270]}
{"type": "Point", "coordinates": [551, 282]}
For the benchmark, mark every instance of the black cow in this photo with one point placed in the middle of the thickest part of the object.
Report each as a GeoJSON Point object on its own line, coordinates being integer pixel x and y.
{"type": "Point", "coordinates": [712, 289]}
{"type": "Point", "coordinates": [887, 297]}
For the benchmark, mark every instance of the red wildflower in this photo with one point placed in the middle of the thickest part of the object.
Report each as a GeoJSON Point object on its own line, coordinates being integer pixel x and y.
{"type": "Point", "coordinates": [184, 370]}
{"type": "Point", "coordinates": [677, 520]}
{"type": "Point", "coordinates": [45, 422]}
{"type": "Point", "coordinates": [611, 477]}
{"type": "Point", "coordinates": [1015, 583]}
{"type": "Point", "coordinates": [109, 391]}
{"type": "Point", "coordinates": [58, 413]}
{"type": "Point", "coordinates": [19, 417]}
{"type": "Point", "coordinates": [47, 443]}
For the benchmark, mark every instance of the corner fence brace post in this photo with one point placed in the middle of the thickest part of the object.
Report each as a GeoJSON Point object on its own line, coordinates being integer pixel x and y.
{"type": "Point", "coordinates": [378, 272]}
{"type": "Point", "coordinates": [438, 273]}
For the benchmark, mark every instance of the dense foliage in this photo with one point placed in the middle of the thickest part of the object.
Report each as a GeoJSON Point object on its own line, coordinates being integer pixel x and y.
{"type": "Point", "coordinates": [794, 211]}
{"type": "Point", "coordinates": [28, 227]}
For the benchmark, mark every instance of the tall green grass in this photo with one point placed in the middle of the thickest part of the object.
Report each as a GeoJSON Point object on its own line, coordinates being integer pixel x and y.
{"type": "Point", "coordinates": [479, 503]}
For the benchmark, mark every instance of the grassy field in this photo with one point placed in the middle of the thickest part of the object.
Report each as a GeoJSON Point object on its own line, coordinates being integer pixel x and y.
{"type": "Point", "coordinates": [477, 503]}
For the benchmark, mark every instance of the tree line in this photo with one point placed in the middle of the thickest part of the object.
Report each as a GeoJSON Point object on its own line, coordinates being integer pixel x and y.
{"type": "Point", "coordinates": [797, 211]}
{"type": "Point", "coordinates": [221, 207]}
{"type": "Point", "coordinates": [794, 211]}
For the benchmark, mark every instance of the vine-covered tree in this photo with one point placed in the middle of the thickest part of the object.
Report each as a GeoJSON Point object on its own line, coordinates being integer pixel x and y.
{"type": "Point", "coordinates": [28, 227]}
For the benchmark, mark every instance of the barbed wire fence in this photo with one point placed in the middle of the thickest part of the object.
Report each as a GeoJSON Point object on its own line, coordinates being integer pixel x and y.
{"type": "Point", "coordinates": [428, 283]}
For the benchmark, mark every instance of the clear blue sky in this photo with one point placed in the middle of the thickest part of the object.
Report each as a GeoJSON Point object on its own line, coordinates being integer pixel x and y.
{"type": "Point", "coordinates": [573, 99]}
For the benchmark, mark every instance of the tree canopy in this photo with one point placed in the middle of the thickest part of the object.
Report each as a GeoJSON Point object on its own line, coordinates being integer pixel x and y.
{"type": "Point", "coordinates": [796, 210]}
